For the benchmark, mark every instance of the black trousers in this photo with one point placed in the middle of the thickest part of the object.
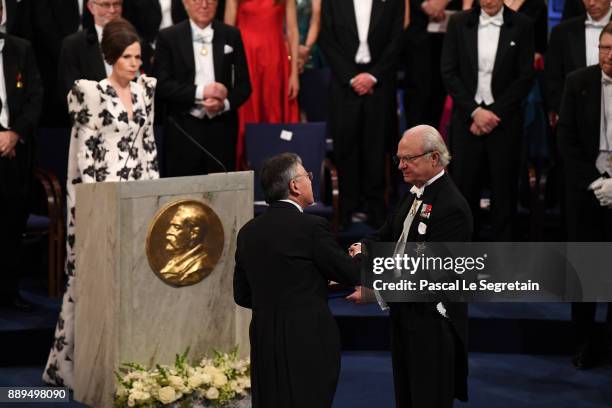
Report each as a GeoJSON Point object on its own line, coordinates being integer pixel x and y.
{"type": "Point", "coordinates": [424, 91]}
{"type": "Point", "coordinates": [183, 158]}
{"type": "Point", "coordinates": [587, 221]}
{"type": "Point", "coordinates": [423, 350]}
{"type": "Point", "coordinates": [360, 128]}
{"type": "Point", "coordinates": [15, 179]}
{"type": "Point", "coordinates": [495, 154]}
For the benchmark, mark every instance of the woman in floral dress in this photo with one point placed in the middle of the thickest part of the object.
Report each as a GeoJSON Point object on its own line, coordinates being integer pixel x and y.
{"type": "Point", "coordinates": [111, 140]}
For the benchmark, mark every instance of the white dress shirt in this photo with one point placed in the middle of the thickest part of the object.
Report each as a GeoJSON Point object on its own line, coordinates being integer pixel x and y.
{"type": "Point", "coordinates": [166, 12]}
{"type": "Point", "coordinates": [488, 39]}
{"type": "Point", "coordinates": [592, 29]}
{"type": "Point", "coordinates": [3, 20]}
{"type": "Point", "coordinates": [107, 67]}
{"type": "Point", "coordinates": [204, 67]}
{"type": "Point", "coordinates": [400, 247]}
{"type": "Point", "coordinates": [363, 11]}
{"type": "Point", "coordinates": [604, 160]}
{"type": "Point", "coordinates": [4, 113]}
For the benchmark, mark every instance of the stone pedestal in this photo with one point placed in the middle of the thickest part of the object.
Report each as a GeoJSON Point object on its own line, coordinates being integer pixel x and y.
{"type": "Point", "coordinates": [124, 311]}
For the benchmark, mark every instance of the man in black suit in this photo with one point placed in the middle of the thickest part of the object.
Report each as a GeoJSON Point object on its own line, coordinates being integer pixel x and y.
{"type": "Point", "coordinates": [424, 92]}
{"type": "Point", "coordinates": [148, 17]}
{"type": "Point", "coordinates": [487, 66]}
{"type": "Point", "coordinates": [361, 43]}
{"type": "Point", "coordinates": [568, 51]}
{"type": "Point", "coordinates": [585, 141]}
{"type": "Point", "coordinates": [202, 78]}
{"type": "Point", "coordinates": [428, 340]}
{"type": "Point", "coordinates": [284, 260]}
{"type": "Point", "coordinates": [20, 106]}
{"type": "Point", "coordinates": [52, 21]}
{"type": "Point", "coordinates": [81, 57]}
{"type": "Point", "coordinates": [16, 18]}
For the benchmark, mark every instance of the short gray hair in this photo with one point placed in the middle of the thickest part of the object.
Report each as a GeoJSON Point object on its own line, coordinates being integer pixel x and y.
{"type": "Point", "coordinates": [276, 173]}
{"type": "Point", "coordinates": [432, 141]}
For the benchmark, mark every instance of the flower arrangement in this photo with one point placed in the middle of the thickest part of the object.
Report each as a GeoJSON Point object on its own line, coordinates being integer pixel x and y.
{"type": "Point", "coordinates": [221, 381]}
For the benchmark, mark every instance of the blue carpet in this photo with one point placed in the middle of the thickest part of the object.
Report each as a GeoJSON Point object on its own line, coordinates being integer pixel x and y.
{"type": "Point", "coordinates": [496, 380]}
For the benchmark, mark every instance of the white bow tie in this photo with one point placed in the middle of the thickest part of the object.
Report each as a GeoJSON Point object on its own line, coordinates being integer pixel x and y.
{"type": "Point", "coordinates": [606, 80]}
{"type": "Point", "coordinates": [1, 44]}
{"type": "Point", "coordinates": [594, 24]}
{"type": "Point", "coordinates": [418, 191]}
{"type": "Point", "coordinates": [497, 20]}
{"type": "Point", "coordinates": [204, 36]}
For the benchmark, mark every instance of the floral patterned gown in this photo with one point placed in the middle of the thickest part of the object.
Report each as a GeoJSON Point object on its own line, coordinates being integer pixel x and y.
{"type": "Point", "coordinates": [105, 145]}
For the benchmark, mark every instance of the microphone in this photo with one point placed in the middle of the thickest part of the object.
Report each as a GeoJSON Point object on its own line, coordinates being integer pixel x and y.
{"type": "Point", "coordinates": [195, 142]}
{"type": "Point", "coordinates": [141, 123]}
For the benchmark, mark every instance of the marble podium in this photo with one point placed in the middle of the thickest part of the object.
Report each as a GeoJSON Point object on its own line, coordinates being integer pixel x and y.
{"type": "Point", "coordinates": [127, 313]}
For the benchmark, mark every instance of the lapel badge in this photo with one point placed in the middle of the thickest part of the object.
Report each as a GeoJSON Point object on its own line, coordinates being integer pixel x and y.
{"type": "Point", "coordinates": [422, 228]}
{"type": "Point", "coordinates": [426, 211]}
{"type": "Point", "coordinates": [19, 81]}
{"type": "Point", "coordinates": [512, 43]}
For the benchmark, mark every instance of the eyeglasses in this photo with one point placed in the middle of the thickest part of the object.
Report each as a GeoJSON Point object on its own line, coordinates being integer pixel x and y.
{"type": "Point", "coordinates": [209, 2]}
{"type": "Point", "coordinates": [407, 159]}
{"type": "Point", "coordinates": [605, 49]}
{"type": "Point", "coordinates": [308, 174]}
{"type": "Point", "coordinates": [107, 5]}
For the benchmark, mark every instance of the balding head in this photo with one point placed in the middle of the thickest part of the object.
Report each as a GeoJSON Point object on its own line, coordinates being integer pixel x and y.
{"type": "Point", "coordinates": [421, 154]}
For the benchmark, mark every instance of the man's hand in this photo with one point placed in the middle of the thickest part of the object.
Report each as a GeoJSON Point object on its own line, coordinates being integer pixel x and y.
{"type": "Point", "coordinates": [603, 192]}
{"type": "Point", "coordinates": [475, 130]}
{"type": "Point", "coordinates": [363, 84]}
{"type": "Point", "coordinates": [215, 90]}
{"type": "Point", "coordinates": [354, 249]}
{"type": "Point", "coordinates": [355, 297]}
{"type": "Point", "coordinates": [213, 105]}
{"type": "Point", "coordinates": [485, 120]}
{"type": "Point", "coordinates": [8, 141]}
{"type": "Point", "coordinates": [433, 8]}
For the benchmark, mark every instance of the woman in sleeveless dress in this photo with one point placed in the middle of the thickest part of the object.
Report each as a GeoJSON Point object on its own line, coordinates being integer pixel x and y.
{"type": "Point", "coordinates": [272, 58]}
{"type": "Point", "coordinates": [111, 140]}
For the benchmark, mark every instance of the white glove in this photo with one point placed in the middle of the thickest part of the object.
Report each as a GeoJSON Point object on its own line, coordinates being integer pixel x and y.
{"type": "Point", "coordinates": [596, 184]}
{"type": "Point", "coordinates": [604, 192]}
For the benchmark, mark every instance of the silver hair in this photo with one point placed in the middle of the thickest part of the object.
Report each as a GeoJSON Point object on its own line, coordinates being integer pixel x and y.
{"type": "Point", "coordinates": [432, 141]}
{"type": "Point", "coordinates": [276, 174]}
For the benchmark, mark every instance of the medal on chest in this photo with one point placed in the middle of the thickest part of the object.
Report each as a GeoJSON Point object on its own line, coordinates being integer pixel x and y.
{"type": "Point", "coordinates": [204, 51]}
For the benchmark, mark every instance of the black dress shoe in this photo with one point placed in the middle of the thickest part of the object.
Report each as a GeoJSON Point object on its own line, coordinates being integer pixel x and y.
{"type": "Point", "coordinates": [585, 358]}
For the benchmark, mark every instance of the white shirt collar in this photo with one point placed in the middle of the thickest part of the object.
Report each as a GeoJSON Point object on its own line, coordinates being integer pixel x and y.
{"type": "Point", "coordinates": [601, 23]}
{"type": "Point", "coordinates": [606, 78]}
{"type": "Point", "coordinates": [419, 190]}
{"type": "Point", "coordinates": [195, 29]}
{"type": "Point", "coordinates": [99, 31]}
{"type": "Point", "coordinates": [286, 200]}
{"type": "Point", "coordinates": [496, 19]}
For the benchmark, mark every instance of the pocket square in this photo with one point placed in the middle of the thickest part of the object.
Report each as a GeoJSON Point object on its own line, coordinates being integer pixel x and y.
{"type": "Point", "coordinates": [512, 43]}
{"type": "Point", "coordinates": [227, 49]}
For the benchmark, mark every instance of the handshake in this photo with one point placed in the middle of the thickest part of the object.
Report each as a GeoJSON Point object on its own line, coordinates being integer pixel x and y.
{"type": "Point", "coordinates": [602, 188]}
{"type": "Point", "coordinates": [361, 293]}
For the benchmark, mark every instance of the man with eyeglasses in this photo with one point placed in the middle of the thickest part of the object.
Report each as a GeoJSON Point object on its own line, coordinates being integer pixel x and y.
{"type": "Point", "coordinates": [202, 78]}
{"type": "Point", "coordinates": [428, 340]}
{"type": "Point", "coordinates": [585, 141]}
{"type": "Point", "coordinates": [81, 57]}
{"type": "Point", "coordinates": [284, 260]}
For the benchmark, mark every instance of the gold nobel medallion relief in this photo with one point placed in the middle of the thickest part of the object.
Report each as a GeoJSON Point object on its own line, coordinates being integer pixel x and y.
{"type": "Point", "coordinates": [184, 242]}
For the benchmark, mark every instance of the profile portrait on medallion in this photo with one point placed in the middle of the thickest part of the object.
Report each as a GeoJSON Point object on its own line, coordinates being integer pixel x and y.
{"type": "Point", "coordinates": [184, 242]}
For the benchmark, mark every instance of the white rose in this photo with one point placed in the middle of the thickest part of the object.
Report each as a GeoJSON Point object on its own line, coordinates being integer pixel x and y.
{"type": "Point", "coordinates": [206, 378]}
{"type": "Point", "coordinates": [167, 395]}
{"type": "Point", "coordinates": [219, 379]}
{"type": "Point", "coordinates": [212, 393]}
{"type": "Point", "coordinates": [235, 386]}
{"type": "Point", "coordinates": [176, 382]}
{"type": "Point", "coordinates": [209, 369]}
{"type": "Point", "coordinates": [195, 381]}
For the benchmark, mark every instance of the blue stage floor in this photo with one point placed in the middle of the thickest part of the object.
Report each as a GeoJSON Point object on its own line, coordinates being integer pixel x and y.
{"type": "Point", "coordinates": [496, 380]}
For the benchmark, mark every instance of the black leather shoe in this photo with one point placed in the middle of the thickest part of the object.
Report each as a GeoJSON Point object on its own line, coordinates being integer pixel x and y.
{"type": "Point", "coordinates": [585, 358]}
